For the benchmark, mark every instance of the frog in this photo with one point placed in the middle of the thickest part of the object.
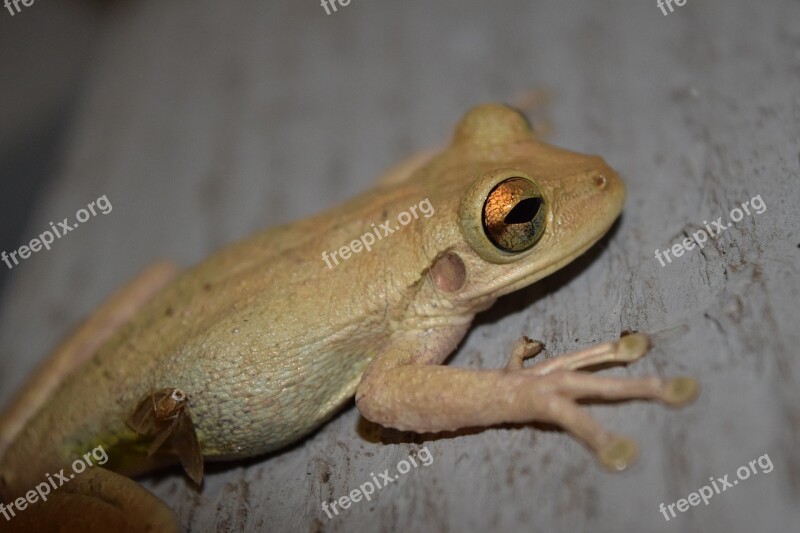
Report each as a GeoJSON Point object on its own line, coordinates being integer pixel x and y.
{"type": "Point", "coordinates": [258, 345]}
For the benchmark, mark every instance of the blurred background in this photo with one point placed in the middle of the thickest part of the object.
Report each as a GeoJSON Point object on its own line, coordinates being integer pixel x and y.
{"type": "Point", "coordinates": [203, 121]}
{"type": "Point", "coordinates": [46, 61]}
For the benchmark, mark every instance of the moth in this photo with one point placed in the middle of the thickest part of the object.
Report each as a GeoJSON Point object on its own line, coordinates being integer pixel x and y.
{"type": "Point", "coordinates": [165, 415]}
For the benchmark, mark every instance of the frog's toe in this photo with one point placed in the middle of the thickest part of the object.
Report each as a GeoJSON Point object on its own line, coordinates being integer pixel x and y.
{"type": "Point", "coordinates": [632, 347]}
{"type": "Point", "coordinates": [524, 348]}
{"type": "Point", "coordinates": [628, 348]}
{"type": "Point", "coordinates": [681, 391]}
{"type": "Point", "coordinates": [618, 454]}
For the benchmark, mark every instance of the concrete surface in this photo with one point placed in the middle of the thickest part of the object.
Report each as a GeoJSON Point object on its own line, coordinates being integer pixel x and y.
{"type": "Point", "coordinates": [204, 121]}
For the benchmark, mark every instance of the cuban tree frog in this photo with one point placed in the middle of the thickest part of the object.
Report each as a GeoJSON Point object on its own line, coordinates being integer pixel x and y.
{"type": "Point", "coordinates": [262, 342]}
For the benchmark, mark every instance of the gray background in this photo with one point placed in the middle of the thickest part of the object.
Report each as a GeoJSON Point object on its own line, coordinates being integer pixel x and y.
{"type": "Point", "coordinates": [203, 121]}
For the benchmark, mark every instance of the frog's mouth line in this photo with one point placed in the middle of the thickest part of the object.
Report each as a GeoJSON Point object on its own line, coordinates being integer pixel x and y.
{"type": "Point", "coordinates": [553, 267]}
{"type": "Point", "coordinates": [505, 286]}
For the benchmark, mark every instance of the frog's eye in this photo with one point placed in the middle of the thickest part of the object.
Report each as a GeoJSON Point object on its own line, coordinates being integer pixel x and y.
{"type": "Point", "coordinates": [503, 214]}
{"type": "Point", "coordinates": [513, 215]}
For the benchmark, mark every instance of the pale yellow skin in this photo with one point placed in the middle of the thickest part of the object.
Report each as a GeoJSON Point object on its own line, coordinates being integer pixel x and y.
{"type": "Point", "coordinates": [268, 342]}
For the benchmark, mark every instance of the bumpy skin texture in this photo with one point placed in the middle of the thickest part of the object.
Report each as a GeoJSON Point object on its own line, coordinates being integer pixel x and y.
{"type": "Point", "coordinates": [268, 342]}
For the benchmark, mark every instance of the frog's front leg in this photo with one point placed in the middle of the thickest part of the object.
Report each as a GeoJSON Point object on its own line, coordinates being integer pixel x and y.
{"type": "Point", "coordinates": [408, 393]}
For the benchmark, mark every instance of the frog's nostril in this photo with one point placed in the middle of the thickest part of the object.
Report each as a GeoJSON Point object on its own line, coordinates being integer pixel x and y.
{"type": "Point", "coordinates": [600, 181]}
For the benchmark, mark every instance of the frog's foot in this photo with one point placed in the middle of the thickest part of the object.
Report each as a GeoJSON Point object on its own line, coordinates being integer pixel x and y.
{"type": "Point", "coordinates": [627, 349]}
{"type": "Point", "coordinates": [523, 349]}
{"type": "Point", "coordinates": [97, 500]}
{"type": "Point", "coordinates": [566, 385]}
{"type": "Point", "coordinates": [560, 390]}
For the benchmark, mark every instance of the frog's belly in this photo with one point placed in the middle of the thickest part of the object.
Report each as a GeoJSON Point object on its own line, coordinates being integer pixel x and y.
{"type": "Point", "coordinates": [267, 406]}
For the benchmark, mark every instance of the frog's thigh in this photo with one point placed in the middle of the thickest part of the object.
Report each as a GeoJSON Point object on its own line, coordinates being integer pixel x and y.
{"type": "Point", "coordinates": [81, 345]}
{"type": "Point", "coordinates": [402, 171]}
{"type": "Point", "coordinates": [97, 500]}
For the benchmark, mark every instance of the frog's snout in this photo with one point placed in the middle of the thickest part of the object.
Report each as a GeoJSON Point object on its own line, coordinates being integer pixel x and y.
{"type": "Point", "coordinates": [605, 184]}
{"type": "Point", "coordinates": [588, 202]}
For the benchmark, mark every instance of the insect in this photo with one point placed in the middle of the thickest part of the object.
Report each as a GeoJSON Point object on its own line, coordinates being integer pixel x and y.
{"type": "Point", "coordinates": [165, 415]}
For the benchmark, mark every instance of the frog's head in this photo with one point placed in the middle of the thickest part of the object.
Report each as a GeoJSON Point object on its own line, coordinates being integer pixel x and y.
{"type": "Point", "coordinates": [517, 209]}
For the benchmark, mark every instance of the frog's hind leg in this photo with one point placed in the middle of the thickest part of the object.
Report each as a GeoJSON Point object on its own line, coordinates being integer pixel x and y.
{"type": "Point", "coordinates": [96, 500]}
{"type": "Point", "coordinates": [80, 346]}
